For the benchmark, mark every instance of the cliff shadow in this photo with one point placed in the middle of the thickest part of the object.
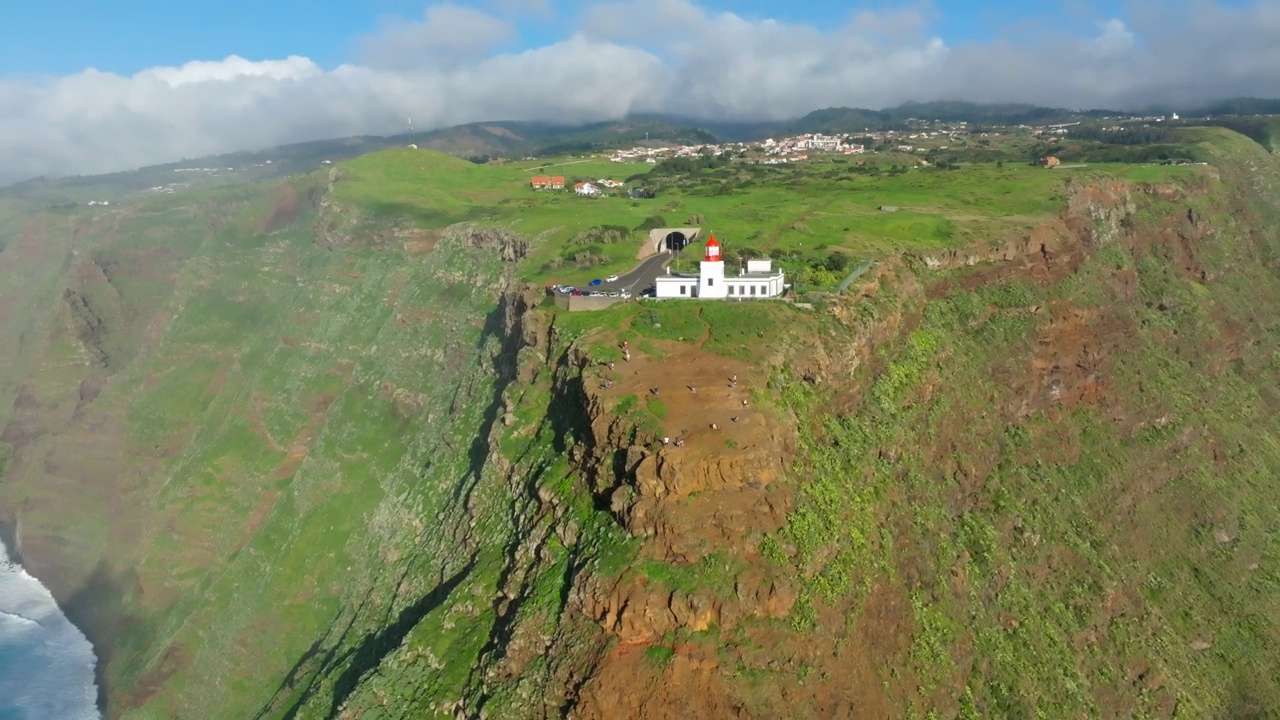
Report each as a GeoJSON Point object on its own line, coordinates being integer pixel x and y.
{"type": "Point", "coordinates": [96, 608]}
{"type": "Point", "coordinates": [370, 651]}
{"type": "Point", "coordinates": [9, 538]}
{"type": "Point", "coordinates": [504, 363]}
{"type": "Point", "coordinates": [570, 423]}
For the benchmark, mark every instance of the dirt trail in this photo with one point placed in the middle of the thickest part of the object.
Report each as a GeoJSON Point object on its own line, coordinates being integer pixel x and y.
{"type": "Point", "coordinates": [706, 331]}
{"type": "Point", "coordinates": [696, 388]}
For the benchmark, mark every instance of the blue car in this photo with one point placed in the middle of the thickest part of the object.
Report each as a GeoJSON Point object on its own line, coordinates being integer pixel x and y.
{"type": "Point", "coordinates": [597, 281]}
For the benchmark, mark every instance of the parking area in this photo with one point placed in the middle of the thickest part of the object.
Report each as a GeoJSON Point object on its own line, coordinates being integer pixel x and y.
{"type": "Point", "coordinates": [631, 284]}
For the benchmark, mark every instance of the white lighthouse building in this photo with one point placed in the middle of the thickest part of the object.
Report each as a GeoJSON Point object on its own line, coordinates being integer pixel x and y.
{"type": "Point", "coordinates": [759, 280]}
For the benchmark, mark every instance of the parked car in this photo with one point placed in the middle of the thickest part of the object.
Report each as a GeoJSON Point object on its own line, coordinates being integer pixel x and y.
{"type": "Point", "coordinates": [595, 282]}
{"type": "Point", "coordinates": [615, 293]}
{"type": "Point", "coordinates": [626, 295]}
{"type": "Point", "coordinates": [611, 278]}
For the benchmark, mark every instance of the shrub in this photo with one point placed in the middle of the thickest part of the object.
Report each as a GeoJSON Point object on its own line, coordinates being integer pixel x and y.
{"type": "Point", "coordinates": [836, 262]}
{"type": "Point", "coordinates": [659, 655]}
{"type": "Point", "coordinates": [651, 222]}
{"type": "Point", "coordinates": [602, 234]}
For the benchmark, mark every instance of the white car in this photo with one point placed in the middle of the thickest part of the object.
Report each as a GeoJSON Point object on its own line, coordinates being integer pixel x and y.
{"type": "Point", "coordinates": [611, 278]}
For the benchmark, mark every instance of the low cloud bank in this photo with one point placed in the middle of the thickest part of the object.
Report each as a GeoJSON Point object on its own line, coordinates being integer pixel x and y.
{"type": "Point", "coordinates": [450, 67]}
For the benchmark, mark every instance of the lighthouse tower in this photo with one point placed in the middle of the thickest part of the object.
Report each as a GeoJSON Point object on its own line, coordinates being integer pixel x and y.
{"type": "Point", "coordinates": [711, 278]}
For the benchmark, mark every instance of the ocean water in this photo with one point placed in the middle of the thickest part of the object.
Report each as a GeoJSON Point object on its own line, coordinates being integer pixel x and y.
{"type": "Point", "coordinates": [46, 663]}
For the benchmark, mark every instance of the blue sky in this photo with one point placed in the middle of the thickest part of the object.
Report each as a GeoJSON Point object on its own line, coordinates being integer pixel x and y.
{"type": "Point", "coordinates": [125, 36]}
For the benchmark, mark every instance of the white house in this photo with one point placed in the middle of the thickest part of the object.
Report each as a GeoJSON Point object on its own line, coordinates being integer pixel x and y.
{"type": "Point", "coordinates": [759, 281]}
{"type": "Point", "coordinates": [585, 188]}
{"type": "Point", "coordinates": [821, 142]}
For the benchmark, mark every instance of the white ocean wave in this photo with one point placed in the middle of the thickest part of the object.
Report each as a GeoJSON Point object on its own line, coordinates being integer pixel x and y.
{"type": "Point", "coordinates": [46, 663]}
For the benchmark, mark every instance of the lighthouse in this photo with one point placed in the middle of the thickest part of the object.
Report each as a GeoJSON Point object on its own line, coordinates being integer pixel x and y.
{"type": "Point", "coordinates": [760, 279]}
{"type": "Point", "coordinates": [711, 278]}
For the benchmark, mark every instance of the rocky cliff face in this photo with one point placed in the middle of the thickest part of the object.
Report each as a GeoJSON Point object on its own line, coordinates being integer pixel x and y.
{"type": "Point", "coordinates": [1080, 295]}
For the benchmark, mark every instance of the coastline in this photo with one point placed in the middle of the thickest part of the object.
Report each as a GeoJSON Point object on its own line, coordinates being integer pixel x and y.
{"type": "Point", "coordinates": [10, 549]}
{"type": "Point", "coordinates": [53, 655]}
{"type": "Point", "coordinates": [80, 609]}
{"type": "Point", "coordinates": [94, 611]}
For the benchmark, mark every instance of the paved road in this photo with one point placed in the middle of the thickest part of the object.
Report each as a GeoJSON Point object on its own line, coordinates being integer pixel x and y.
{"type": "Point", "coordinates": [636, 280]}
{"type": "Point", "coordinates": [544, 167]}
{"type": "Point", "coordinates": [641, 278]}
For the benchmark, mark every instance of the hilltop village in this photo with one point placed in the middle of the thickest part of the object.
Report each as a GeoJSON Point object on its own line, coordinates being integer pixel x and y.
{"type": "Point", "coordinates": [918, 136]}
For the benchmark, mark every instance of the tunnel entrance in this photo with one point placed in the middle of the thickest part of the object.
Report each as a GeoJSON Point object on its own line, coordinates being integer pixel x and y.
{"type": "Point", "coordinates": [675, 241]}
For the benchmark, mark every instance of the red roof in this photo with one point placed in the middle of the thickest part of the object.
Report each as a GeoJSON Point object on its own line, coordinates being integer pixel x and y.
{"type": "Point", "coordinates": [712, 241]}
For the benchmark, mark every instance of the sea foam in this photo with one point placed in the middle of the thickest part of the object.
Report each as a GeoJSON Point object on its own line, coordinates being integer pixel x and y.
{"type": "Point", "coordinates": [46, 663]}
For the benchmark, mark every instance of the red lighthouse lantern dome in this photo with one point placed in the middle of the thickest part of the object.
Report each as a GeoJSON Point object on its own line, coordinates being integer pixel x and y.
{"type": "Point", "coordinates": [712, 252]}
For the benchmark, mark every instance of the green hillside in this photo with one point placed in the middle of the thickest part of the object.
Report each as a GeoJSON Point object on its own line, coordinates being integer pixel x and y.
{"type": "Point", "coordinates": [476, 141]}
{"type": "Point", "coordinates": [321, 446]}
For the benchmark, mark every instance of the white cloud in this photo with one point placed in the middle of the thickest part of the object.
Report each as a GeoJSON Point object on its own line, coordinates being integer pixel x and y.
{"type": "Point", "coordinates": [447, 35]}
{"type": "Point", "coordinates": [233, 68]}
{"type": "Point", "coordinates": [537, 8]}
{"type": "Point", "coordinates": [1114, 37]}
{"type": "Point", "coordinates": [449, 67]}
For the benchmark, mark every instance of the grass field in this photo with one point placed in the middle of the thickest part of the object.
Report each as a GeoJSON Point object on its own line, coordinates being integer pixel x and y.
{"type": "Point", "coordinates": [800, 212]}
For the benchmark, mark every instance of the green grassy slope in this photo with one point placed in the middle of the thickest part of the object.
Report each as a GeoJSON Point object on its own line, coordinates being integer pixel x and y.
{"type": "Point", "coordinates": [323, 429]}
{"type": "Point", "coordinates": [279, 480]}
{"type": "Point", "coordinates": [273, 427]}
{"type": "Point", "coordinates": [1263, 129]}
{"type": "Point", "coordinates": [807, 211]}
{"type": "Point", "coordinates": [1049, 491]}
{"type": "Point", "coordinates": [1106, 555]}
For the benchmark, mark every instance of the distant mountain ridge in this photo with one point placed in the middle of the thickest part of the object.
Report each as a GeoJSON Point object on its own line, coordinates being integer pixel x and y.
{"type": "Point", "coordinates": [480, 141]}
{"type": "Point", "coordinates": [508, 138]}
{"type": "Point", "coordinates": [843, 119]}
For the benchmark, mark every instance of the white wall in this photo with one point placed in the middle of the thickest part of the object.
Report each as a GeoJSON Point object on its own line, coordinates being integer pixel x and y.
{"type": "Point", "coordinates": [669, 287]}
{"type": "Point", "coordinates": [740, 288]}
{"type": "Point", "coordinates": [712, 282]}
